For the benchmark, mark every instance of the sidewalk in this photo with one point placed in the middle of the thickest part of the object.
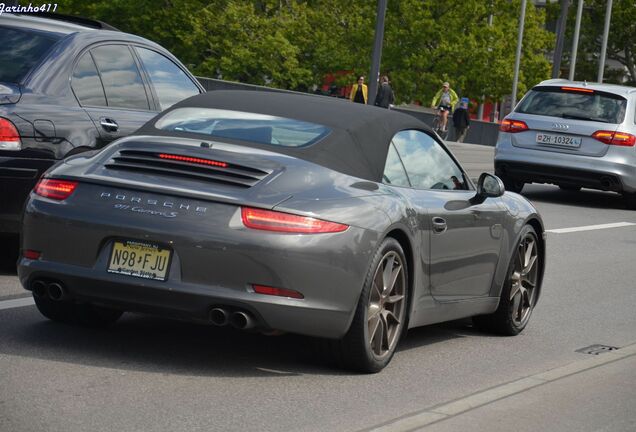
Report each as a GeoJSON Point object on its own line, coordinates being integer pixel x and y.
{"type": "Point", "coordinates": [596, 393]}
{"type": "Point", "coordinates": [472, 157]}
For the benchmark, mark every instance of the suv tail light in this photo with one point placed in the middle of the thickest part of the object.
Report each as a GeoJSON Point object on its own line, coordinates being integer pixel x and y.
{"type": "Point", "coordinates": [9, 136]}
{"type": "Point", "coordinates": [615, 138]}
{"type": "Point", "coordinates": [55, 189]}
{"type": "Point", "coordinates": [513, 126]}
{"type": "Point", "coordinates": [269, 220]}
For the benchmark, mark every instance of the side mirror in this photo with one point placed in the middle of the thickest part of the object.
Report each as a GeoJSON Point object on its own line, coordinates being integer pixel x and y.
{"type": "Point", "coordinates": [489, 186]}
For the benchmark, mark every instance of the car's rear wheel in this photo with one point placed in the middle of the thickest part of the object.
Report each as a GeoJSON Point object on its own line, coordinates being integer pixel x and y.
{"type": "Point", "coordinates": [76, 313]}
{"type": "Point", "coordinates": [380, 315]}
{"type": "Point", "coordinates": [511, 184]}
{"type": "Point", "coordinates": [570, 188]}
{"type": "Point", "coordinates": [630, 200]}
{"type": "Point", "coordinates": [520, 290]}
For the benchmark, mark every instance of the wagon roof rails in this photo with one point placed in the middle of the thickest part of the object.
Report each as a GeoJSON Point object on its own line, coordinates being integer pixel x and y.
{"type": "Point", "coordinates": [86, 22]}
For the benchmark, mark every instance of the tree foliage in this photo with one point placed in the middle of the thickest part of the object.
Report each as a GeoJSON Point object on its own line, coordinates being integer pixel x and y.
{"type": "Point", "coordinates": [293, 44]}
{"type": "Point", "coordinates": [621, 42]}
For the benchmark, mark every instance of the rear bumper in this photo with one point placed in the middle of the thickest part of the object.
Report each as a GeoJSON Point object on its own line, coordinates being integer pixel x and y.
{"type": "Point", "coordinates": [215, 261]}
{"type": "Point", "coordinates": [531, 166]}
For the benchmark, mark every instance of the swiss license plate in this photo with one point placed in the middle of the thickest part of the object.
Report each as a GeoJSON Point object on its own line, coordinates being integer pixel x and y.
{"type": "Point", "coordinates": [139, 259]}
{"type": "Point", "coordinates": [559, 140]}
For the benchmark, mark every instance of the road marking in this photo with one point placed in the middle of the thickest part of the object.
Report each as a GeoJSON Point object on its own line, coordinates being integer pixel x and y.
{"type": "Point", "coordinates": [445, 411]}
{"type": "Point", "coordinates": [16, 303]}
{"type": "Point", "coordinates": [591, 227]}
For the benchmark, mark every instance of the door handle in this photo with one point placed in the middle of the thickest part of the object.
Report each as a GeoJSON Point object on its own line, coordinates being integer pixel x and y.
{"type": "Point", "coordinates": [439, 225]}
{"type": "Point", "coordinates": [109, 124]}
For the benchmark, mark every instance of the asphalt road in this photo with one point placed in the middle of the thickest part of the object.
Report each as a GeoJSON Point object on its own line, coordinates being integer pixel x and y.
{"type": "Point", "coordinates": [151, 374]}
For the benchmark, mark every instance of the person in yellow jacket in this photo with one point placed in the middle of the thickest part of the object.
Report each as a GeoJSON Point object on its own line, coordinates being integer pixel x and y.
{"type": "Point", "coordinates": [445, 100]}
{"type": "Point", "coordinates": [359, 91]}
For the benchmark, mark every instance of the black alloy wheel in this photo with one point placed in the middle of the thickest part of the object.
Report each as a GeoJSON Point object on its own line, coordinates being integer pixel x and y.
{"type": "Point", "coordinates": [381, 314]}
{"type": "Point", "coordinates": [520, 290]}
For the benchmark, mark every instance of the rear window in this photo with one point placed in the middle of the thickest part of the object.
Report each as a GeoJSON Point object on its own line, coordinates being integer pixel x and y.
{"type": "Point", "coordinates": [583, 104]}
{"type": "Point", "coordinates": [20, 50]}
{"type": "Point", "coordinates": [243, 126]}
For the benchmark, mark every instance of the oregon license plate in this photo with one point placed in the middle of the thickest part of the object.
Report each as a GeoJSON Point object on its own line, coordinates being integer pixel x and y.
{"type": "Point", "coordinates": [139, 259]}
{"type": "Point", "coordinates": [560, 140]}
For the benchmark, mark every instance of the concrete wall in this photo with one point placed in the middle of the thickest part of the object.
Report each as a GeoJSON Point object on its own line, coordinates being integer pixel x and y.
{"type": "Point", "coordinates": [480, 132]}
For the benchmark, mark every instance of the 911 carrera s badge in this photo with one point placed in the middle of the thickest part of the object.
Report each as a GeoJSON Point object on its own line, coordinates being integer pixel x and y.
{"type": "Point", "coordinates": [153, 207]}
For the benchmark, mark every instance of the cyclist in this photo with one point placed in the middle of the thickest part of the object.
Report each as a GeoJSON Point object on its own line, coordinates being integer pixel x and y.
{"type": "Point", "coordinates": [444, 100]}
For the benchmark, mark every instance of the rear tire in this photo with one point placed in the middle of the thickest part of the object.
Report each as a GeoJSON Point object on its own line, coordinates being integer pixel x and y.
{"type": "Point", "coordinates": [630, 200]}
{"type": "Point", "coordinates": [512, 184]}
{"type": "Point", "coordinates": [380, 316]}
{"type": "Point", "coordinates": [520, 290]}
{"type": "Point", "coordinates": [84, 314]}
{"type": "Point", "coordinates": [570, 188]}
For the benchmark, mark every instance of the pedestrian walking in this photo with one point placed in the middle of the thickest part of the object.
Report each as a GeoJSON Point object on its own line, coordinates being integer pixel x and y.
{"type": "Point", "coordinates": [359, 91]}
{"type": "Point", "coordinates": [385, 96]}
{"type": "Point", "coordinates": [461, 120]}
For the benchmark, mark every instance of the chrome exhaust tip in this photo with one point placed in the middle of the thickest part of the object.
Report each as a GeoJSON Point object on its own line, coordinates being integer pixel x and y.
{"type": "Point", "coordinates": [242, 321]}
{"type": "Point", "coordinates": [38, 288]}
{"type": "Point", "coordinates": [219, 317]}
{"type": "Point", "coordinates": [55, 291]}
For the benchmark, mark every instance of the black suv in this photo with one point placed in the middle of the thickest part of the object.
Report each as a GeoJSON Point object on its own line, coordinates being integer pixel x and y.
{"type": "Point", "coordinates": [68, 87]}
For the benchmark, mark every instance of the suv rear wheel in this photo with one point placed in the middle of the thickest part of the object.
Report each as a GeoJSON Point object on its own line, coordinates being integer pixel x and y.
{"type": "Point", "coordinates": [512, 184]}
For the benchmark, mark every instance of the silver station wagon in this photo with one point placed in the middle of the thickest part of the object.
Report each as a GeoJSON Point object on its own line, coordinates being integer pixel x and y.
{"type": "Point", "coordinates": [571, 134]}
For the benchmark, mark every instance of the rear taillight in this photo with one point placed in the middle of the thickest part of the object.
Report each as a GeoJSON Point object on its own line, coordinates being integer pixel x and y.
{"type": "Point", "coordinates": [284, 222]}
{"type": "Point", "coordinates": [615, 138]}
{"type": "Point", "coordinates": [513, 126]}
{"type": "Point", "coordinates": [55, 189]}
{"type": "Point", "coordinates": [9, 136]}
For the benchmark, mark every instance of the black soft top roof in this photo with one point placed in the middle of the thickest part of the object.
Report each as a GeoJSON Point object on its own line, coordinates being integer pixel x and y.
{"type": "Point", "coordinates": [359, 138]}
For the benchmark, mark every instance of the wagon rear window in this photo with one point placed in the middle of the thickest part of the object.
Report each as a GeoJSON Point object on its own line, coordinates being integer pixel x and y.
{"type": "Point", "coordinates": [574, 103]}
{"type": "Point", "coordinates": [242, 126]}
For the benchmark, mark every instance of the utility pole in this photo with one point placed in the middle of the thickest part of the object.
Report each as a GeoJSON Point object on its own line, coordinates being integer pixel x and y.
{"type": "Point", "coordinates": [575, 41]}
{"type": "Point", "coordinates": [515, 79]}
{"type": "Point", "coordinates": [377, 51]}
{"type": "Point", "coordinates": [601, 63]}
{"type": "Point", "coordinates": [558, 50]}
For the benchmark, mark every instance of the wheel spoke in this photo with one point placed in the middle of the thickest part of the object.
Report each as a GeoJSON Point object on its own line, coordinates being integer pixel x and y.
{"type": "Point", "coordinates": [516, 302]}
{"type": "Point", "coordinates": [528, 254]}
{"type": "Point", "coordinates": [374, 326]}
{"type": "Point", "coordinates": [385, 334]}
{"type": "Point", "coordinates": [387, 273]}
{"type": "Point", "coordinates": [395, 298]}
{"type": "Point", "coordinates": [527, 269]}
{"type": "Point", "coordinates": [514, 289]}
{"type": "Point", "coordinates": [391, 318]}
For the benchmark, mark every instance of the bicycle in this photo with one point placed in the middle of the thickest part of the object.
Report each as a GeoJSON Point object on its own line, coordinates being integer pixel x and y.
{"type": "Point", "coordinates": [437, 122]}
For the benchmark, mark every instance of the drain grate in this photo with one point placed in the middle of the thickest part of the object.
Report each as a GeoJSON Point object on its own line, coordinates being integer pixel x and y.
{"type": "Point", "coordinates": [596, 349]}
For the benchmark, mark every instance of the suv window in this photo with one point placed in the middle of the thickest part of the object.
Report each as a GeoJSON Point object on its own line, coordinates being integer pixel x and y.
{"type": "Point", "coordinates": [171, 84]}
{"type": "Point", "coordinates": [427, 164]}
{"type": "Point", "coordinates": [20, 50]}
{"type": "Point", "coordinates": [122, 81]}
{"type": "Point", "coordinates": [574, 103]}
{"type": "Point", "coordinates": [86, 83]}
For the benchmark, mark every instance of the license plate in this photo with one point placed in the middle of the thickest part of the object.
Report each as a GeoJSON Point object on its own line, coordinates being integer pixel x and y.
{"type": "Point", "coordinates": [139, 259]}
{"type": "Point", "coordinates": [559, 140]}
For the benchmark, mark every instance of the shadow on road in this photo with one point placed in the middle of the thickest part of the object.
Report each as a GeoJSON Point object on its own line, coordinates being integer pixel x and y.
{"type": "Point", "coordinates": [9, 246]}
{"type": "Point", "coordinates": [151, 344]}
{"type": "Point", "coordinates": [587, 198]}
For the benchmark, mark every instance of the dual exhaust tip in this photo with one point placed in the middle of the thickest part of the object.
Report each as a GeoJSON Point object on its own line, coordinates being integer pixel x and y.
{"type": "Point", "coordinates": [238, 319]}
{"type": "Point", "coordinates": [52, 290]}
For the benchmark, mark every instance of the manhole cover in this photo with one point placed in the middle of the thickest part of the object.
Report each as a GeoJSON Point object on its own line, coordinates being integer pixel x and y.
{"type": "Point", "coordinates": [596, 349]}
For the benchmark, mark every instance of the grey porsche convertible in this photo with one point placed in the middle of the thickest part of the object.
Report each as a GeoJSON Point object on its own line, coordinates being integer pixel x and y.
{"type": "Point", "coordinates": [282, 212]}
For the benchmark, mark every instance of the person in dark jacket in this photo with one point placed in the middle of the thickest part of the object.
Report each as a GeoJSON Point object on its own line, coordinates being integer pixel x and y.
{"type": "Point", "coordinates": [385, 96]}
{"type": "Point", "coordinates": [461, 120]}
